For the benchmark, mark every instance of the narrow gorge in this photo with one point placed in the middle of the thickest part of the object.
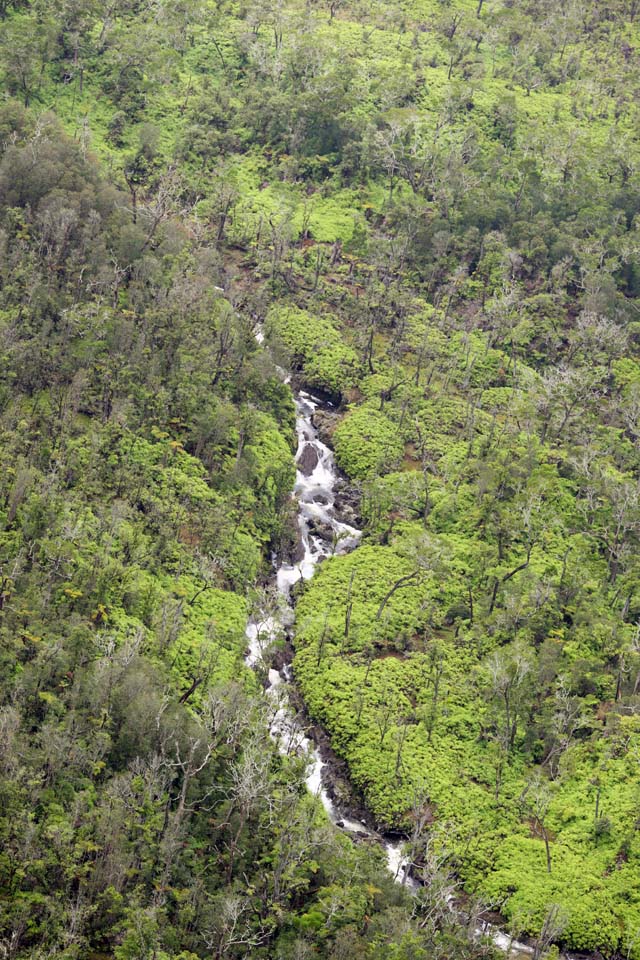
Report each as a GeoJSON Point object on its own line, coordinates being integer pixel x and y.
{"type": "Point", "coordinates": [323, 534]}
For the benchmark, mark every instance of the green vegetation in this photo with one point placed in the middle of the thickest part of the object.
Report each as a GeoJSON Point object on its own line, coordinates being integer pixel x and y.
{"type": "Point", "coordinates": [314, 348]}
{"type": "Point", "coordinates": [432, 209]}
{"type": "Point", "coordinates": [367, 442]}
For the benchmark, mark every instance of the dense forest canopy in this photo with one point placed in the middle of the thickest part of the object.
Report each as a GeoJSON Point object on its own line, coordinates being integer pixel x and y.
{"type": "Point", "coordinates": [431, 210]}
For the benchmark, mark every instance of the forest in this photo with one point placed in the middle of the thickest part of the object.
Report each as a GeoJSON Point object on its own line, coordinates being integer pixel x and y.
{"type": "Point", "coordinates": [425, 214]}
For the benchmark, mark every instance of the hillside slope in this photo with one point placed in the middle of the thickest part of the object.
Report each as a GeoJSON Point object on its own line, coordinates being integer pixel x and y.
{"type": "Point", "coordinates": [432, 207]}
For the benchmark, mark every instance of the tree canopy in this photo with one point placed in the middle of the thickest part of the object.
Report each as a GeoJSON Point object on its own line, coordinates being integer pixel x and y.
{"type": "Point", "coordinates": [430, 209]}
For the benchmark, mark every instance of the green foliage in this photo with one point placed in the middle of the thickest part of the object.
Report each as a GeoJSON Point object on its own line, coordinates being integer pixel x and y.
{"type": "Point", "coordinates": [433, 209]}
{"type": "Point", "coordinates": [314, 347]}
{"type": "Point", "coordinates": [367, 443]}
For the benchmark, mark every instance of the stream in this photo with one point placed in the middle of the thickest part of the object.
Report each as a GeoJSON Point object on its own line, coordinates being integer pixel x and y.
{"type": "Point", "coordinates": [323, 534]}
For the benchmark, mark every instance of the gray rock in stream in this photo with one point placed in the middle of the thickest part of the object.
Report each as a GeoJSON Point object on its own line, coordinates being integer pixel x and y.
{"type": "Point", "coordinates": [308, 460]}
{"type": "Point", "coordinates": [290, 549]}
{"type": "Point", "coordinates": [325, 423]}
{"type": "Point", "coordinates": [347, 503]}
{"type": "Point", "coordinates": [297, 554]}
{"type": "Point", "coordinates": [319, 530]}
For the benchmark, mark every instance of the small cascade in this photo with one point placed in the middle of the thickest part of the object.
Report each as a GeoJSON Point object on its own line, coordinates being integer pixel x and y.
{"type": "Point", "coordinates": [322, 535]}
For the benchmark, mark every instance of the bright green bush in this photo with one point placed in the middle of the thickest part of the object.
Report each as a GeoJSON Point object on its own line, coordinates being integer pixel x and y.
{"type": "Point", "coordinates": [315, 347]}
{"type": "Point", "coordinates": [367, 443]}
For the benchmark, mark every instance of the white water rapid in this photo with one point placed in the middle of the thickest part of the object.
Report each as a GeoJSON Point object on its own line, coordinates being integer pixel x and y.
{"type": "Point", "coordinates": [322, 535]}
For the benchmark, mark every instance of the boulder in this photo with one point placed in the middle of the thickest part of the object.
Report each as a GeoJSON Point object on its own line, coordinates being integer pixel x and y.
{"type": "Point", "coordinates": [308, 460]}
{"type": "Point", "coordinates": [325, 423]}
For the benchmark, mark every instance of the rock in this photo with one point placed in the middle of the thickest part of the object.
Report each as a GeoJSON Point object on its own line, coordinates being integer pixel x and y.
{"type": "Point", "coordinates": [325, 423]}
{"type": "Point", "coordinates": [308, 460]}
{"type": "Point", "coordinates": [320, 531]}
{"type": "Point", "coordinates": [297, 552]}
{"type": "Point", "coordinates": [348, 514]}
{"type": "Point", "coordinates": [291, 549]}
{"type": "Point", "coordinates": [282, 658]}
{"type": "Point", "coordinates": [347, 504]}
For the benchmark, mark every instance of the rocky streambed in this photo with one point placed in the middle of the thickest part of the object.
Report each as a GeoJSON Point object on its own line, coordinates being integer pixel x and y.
{"type": "Point", "coordinates": [326, 522]}
{"type": "Point", "coordinates": [323, 532]}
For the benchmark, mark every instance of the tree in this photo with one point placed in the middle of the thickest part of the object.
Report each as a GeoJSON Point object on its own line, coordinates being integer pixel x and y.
{"type": "Point", "coordinates": [508, 672]}
{"type": "Point", "coordinates": [566, 719]}
{"type": "Point", "coordinates": [232, 926]}
{"type": "Point", "coordinates": [535, 800]}
{"type": "Point", "coordinates": [26, 48]}
{"type": "Point", "coordinates": [554, 925]}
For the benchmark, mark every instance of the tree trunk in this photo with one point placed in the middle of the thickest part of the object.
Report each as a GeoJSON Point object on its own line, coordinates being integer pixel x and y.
{"type": "Point", "coordinates": [347, 617]}
{"type": "Point", "coordinates": [397, 585]}
{"type": "Point", "coordinates": [547, 849]}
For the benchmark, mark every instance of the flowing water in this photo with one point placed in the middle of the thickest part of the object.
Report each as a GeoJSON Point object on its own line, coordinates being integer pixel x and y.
{"type": "Point", "coordinates": [322, 534]}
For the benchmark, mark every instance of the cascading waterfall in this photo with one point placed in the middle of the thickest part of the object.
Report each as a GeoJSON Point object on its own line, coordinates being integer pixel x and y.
{"type": "Point", "coordinates": [323, 534]}
{"type": "Point", "coordinates": [314, 491]}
